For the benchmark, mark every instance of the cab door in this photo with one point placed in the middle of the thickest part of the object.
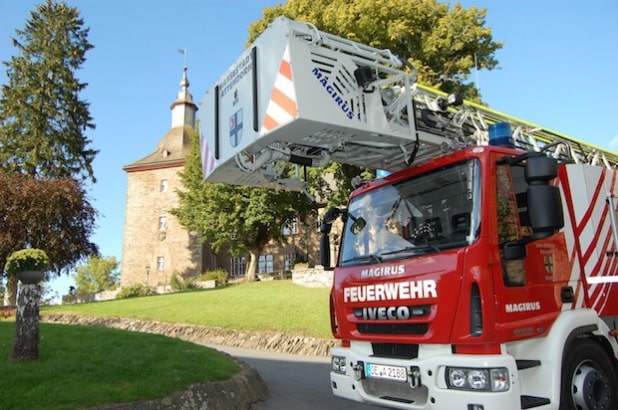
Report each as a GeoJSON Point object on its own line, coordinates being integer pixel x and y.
{"type": "Point", "coordinates": [526, 299]}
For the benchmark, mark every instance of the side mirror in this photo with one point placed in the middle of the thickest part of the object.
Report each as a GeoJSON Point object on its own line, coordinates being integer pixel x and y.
{"type": "Point", "coordinates": [325, 251]}
{"type": "Point", "coordinates": [325, 228]}
{"type": "Point", "coordinates": [544, 204]}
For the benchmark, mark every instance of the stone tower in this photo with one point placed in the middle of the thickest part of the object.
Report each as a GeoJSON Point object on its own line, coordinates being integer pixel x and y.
{"type": "Point", "coordinates": [155, 245]}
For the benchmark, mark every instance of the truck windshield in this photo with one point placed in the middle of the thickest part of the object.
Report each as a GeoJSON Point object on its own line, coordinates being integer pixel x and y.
{"type": "Point", "coordinates": [429, 213]}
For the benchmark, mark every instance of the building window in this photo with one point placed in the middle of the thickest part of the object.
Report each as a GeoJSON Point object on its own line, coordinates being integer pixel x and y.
{"type": "Point", "coordinates": [290, 258]}
{"type": "Point", "coordinates": [160, 263]}
{"type": "Point", "coordinates": [290, 227]}
{"type": "Point", "coordinates": [162, 223]}
{"type": "Point", "coordinates": [237, 266]}
{"type": "Point", "coordinates": [265, 264]}
{"type": "Point", "coordinates": [163, 186]}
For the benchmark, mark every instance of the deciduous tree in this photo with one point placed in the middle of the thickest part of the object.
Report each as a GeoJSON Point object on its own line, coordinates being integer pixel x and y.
{"type": "Point", "coordinates": [244, 219]}
{"type": "Point", "coordinates": [51, 214]}
{"type": "Point", "coordinates": [97, 274]}
{"type": "Point", "coordinates": [445, 43]}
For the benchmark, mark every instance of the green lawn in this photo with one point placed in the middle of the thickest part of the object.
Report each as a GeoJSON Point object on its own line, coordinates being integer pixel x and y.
{"type": "Point", "coordinates": [273, 305]}
{"type": "Point", "coordinates": [81, 367]}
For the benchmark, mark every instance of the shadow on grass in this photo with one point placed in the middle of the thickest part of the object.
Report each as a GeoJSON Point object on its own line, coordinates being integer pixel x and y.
{"type": "Point", "coordinates": [82, 367]}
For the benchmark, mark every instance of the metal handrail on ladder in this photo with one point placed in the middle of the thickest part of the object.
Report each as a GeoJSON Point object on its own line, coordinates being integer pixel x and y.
{"type": "Point", "coordinates": [357, 51]}
{"type": "Point", "coordinates": [526, 136]}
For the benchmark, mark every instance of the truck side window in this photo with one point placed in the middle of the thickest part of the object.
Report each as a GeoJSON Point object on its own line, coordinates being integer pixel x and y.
{"type": "Point", "coordinates": [512, 218]}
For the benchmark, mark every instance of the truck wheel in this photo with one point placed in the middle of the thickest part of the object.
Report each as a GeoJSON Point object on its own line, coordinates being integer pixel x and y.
{"type": "Point", "coordinates": [588, 378]}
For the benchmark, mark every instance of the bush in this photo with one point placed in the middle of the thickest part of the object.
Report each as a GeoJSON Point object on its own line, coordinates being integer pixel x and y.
{"type": "Point", "coordinates": [135, 290]}
{"type": "Point", "coordinates": [178, 283]}
{"type": "Point", "coordinates": [175, 282]}
{"type": "Point", "coordinates": [220, 277]}
{"type": "Point", "coordinates": [27, 260]}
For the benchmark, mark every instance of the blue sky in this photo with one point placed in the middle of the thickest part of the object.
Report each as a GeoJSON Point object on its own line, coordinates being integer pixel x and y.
{"type": "Point", "coordinates": [557, 69]}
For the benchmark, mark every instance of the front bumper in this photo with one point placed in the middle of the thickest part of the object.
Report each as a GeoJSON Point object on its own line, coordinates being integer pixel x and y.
{"type": "Point", "coordinates": [428, 388]}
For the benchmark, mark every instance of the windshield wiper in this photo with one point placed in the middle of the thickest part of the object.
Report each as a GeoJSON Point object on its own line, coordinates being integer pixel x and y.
{"type": "Point", "coordinates": [415, 250]}
{"type": "Point", "coordinates": [364, 259]}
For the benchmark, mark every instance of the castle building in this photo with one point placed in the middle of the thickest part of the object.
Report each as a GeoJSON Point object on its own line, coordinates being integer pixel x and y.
{"type": "Point", "coordinates": [155, 245]}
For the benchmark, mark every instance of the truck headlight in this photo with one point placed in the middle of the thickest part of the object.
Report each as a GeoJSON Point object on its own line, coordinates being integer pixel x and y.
{"type": "Point", "coordinates": [338, 364]}
{"type": "Point", "coordinates": [478, 379]}
{"type": "Point", "coordinates": [496, 379]}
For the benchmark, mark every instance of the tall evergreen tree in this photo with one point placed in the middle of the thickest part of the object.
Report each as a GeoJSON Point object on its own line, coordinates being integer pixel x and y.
{"type": "Point", "coordinates": [43, 118]}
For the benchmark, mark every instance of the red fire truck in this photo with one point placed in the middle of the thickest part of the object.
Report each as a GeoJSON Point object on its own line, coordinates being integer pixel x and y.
{"type": "Point", "coordinates": [494, 285]}
{"type": "Point", "coordinates": [481, 273]}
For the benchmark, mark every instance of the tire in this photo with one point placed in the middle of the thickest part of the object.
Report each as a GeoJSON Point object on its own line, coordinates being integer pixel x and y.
{"type": "Point", "coordinates": [589, 380]}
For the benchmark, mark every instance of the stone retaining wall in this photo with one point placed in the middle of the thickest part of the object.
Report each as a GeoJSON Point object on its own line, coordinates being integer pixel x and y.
{"type": "Point", "coordinates": [315, 277]}
{"type": "Point", "coordinates": [274, 341]}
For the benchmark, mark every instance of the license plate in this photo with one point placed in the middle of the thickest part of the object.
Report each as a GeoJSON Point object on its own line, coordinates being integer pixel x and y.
{"type": "Point", "coordinates": [379, 371]}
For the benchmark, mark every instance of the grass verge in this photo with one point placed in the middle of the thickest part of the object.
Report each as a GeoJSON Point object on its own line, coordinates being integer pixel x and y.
{"type": "Point", "coordinates": [275, 305]}
{"type": "Point", "coordinates": [80, 367]}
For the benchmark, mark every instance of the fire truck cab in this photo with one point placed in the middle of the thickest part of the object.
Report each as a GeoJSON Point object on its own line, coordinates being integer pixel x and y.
{"type": "Point", "coordinates": [461, 285]}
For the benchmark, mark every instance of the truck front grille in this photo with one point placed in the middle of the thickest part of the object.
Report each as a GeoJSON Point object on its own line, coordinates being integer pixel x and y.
{"type": "Point", "coordinates": [393, 329]}
{"type": "Point", "coordinates": [395, 350]}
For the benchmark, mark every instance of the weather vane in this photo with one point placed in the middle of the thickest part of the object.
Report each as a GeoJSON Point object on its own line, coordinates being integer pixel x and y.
{"type": "Point", "coordinates": [183, 51]}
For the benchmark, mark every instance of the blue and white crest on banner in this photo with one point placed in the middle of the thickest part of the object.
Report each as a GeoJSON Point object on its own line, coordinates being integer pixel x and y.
{"type": "Point", "coordinates": [236, 128]}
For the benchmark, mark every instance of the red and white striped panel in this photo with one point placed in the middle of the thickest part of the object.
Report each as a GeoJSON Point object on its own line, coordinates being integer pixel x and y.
{"type": "Point", "coordinates": [282, 106]}
{"type": "Point", "coordinates": [208, 159]}
{"type": "Point", "coordinates": [589, 236]}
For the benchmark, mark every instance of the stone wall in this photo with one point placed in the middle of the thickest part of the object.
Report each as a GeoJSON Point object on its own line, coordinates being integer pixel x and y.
{"type": "Point", "coordinates": [315, 277]}
{"type": "Point", "coordinates": [262, 340]}
{"type": "Point", "coordinates": [206, 284]}
{"type": "Point", "coordinates": [81, 298]}
{"type": "Point", "coordinates": [90, 297]}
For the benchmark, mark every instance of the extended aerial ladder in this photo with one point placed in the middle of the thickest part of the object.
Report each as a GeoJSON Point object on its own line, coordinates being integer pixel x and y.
{"type": "Point", "coordinates": [473, 120]}
{"type": "Point", "coordinates": [302, 96]}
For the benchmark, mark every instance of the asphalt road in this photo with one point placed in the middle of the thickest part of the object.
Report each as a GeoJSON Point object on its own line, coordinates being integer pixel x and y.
{"type": "Point", "coordinates": [294, 382]}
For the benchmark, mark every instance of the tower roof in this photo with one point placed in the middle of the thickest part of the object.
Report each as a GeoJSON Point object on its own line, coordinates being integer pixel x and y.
{"type": "Point", "coordinates": [171, 151]}
{"type": "Point", "coordinates": [174, 147]}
